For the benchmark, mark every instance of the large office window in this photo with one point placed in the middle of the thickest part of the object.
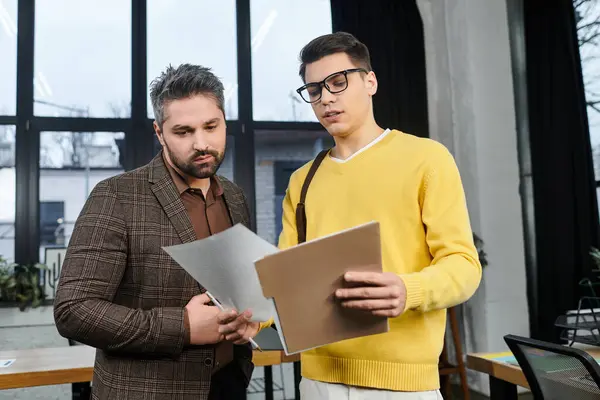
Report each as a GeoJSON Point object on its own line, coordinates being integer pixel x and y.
{"type": "Point", "coordinates": [71, 164]}
{"type": "Point", "coordinates": [198, 32]}
{"type": "Point", "coordinates": [587, 14]}
{"type": "Point", "coordinates": [279, 31]}
{"type": "Point", "coordinates": [7, 192]}
{"type": "Point", "coordinates": [83, 68]}
{"type": "Point", "coordinates": [8, 52]}
{"type": "Point", "coordinates": [82, 58]}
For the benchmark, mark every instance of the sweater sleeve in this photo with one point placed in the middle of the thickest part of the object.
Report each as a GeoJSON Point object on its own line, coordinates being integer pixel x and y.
{"type": "Point", "coordinates": [455, 271]}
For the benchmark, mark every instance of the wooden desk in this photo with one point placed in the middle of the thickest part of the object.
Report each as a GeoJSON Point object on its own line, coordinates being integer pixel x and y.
{"type": "Point", "coordinates": [56, 366]}
{"type": "Point", "coordinates": [504, 377]}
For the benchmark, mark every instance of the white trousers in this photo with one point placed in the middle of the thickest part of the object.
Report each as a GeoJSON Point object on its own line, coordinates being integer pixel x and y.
{"type": "Point", "coordinates": [315, 390]}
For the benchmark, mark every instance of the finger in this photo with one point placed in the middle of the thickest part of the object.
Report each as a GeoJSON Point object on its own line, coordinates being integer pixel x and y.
{"type": "Point", "coordinates": [226, 317]}
{"type": "Point", "coordinates": [201, 298]}
{"type": "Point", "coordinates": [236, 324]}
{"type": "Point", "coordinates": [372, 305]}
{"type": "Point", "coordinates": [234, 337]}
{"type": "Point", "coordinates": [386, 313]}
{"type": "Point", "coordinates": [369, 278]}
{"type": "Point", "coordinates": [368, 292]}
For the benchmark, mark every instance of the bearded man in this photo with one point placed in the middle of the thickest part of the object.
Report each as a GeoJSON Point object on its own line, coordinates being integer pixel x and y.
{"type": "Point", "coordinates": [156, 332]}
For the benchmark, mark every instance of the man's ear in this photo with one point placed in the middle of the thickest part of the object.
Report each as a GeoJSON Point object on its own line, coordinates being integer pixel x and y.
{"type": "Point", "coordinates": [158, 132]}
{"type": "Point", "coordinates": [371, 83]}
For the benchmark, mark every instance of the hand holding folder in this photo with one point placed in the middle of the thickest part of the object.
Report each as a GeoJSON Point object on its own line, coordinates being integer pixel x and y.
{"type": "Point", "coordinates": [302, 281]}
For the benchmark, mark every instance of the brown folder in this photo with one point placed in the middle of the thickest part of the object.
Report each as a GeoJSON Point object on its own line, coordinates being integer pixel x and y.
{"type": "Point", "coordinates": [302, 281]}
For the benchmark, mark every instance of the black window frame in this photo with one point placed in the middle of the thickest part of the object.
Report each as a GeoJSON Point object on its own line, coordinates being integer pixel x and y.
{"type": "Point", "coordinates": [139, 144]}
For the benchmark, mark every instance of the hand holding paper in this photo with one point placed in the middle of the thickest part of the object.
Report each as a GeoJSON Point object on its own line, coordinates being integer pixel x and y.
{"type": "Point", "coordinates": [237, 327]}
{"type": "Point", "coordinates": [204, 328]}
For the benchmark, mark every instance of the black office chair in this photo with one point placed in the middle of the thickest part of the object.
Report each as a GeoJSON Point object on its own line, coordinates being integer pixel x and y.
{"type": "Point", "coordinates": [556, 372]}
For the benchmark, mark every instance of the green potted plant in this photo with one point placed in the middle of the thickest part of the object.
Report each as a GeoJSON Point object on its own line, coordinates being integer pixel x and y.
{"type": "Point", "coordinates": [22, 284]}
{"type": "Point", "coordinates": [7, 280]}
{"type": "Point", "coordinates": [29, 290]}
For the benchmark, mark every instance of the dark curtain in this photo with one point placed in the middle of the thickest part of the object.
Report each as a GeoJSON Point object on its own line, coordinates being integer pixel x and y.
{"type": "Point", "coordinates": [393, 32]}
{"type": "Point", "coordinates": [566, 212]}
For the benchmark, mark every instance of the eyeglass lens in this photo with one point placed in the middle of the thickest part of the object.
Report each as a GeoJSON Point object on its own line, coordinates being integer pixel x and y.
{"type": "Point", "coordinates": [335, 84]}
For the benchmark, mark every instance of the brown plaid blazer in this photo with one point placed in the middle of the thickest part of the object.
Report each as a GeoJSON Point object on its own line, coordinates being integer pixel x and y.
{"type": "Point", "coordinates": [122, 294]}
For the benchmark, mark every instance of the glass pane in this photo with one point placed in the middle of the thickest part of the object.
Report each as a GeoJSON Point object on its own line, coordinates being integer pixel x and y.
{"type": "Point", "coordinates": [96, 36]}
{"type": "Point", "coordinates": [226, 168]}
{"type": "Point", "coordinates": [8, 50]}
{"type": "Point", "coordinates": [71, 164]}
{"type": "Point", "coordinates": [279, 31]}
{"type": "Point", "coordinates": [587, 14]}
{"type": "Point", "coordinates": [278, 155]}
{"type": "Point", "coordinates": [7, 194]}
{"type": "Point", "coordinates": [197, 32]}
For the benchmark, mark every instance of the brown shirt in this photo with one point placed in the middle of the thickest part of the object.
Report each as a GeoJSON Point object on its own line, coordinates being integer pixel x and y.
{"type": "Point", "coordinates": [209, 216]}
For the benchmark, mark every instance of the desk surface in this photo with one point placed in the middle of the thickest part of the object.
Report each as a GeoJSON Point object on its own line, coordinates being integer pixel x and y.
{"type": "Point", "coordinates": [54, 366]}
{"type": "Point", "coordinates": [500, 365]}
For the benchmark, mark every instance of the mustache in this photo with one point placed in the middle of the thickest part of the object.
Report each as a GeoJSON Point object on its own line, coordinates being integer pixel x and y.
{"type": "Point", "coordinates": [207, 152]}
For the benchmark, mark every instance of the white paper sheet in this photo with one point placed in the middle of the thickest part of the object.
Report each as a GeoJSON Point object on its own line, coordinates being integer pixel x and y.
{"type": "Point", "coordinates": [224, 264]}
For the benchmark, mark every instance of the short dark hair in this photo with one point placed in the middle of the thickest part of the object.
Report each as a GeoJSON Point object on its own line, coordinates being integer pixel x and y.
{"type": "Point", "coordinates": [338, 42]}
{"type": "Point", "coordinates": [182, 82]}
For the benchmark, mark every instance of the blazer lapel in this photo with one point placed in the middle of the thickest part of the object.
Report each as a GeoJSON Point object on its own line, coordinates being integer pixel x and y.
{"type": "Point", "coordinates": [236, 203]}
{"type": "Point", "coordinates": [165, 191]}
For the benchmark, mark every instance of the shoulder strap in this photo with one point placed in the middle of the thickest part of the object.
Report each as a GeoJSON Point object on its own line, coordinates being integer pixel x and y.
{"type": "Point", "coordinates": [300, 207]}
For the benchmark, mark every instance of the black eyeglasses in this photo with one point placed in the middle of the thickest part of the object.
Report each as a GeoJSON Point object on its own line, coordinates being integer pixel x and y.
{"type": "Point", "coordinates": [334, 83]}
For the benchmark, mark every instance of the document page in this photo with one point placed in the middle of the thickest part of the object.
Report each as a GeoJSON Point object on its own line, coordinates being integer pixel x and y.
{"type": "Point", "coordinates": [224, 264]}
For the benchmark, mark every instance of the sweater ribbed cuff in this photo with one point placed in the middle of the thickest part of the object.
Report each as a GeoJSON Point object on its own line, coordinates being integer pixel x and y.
{"type": "Point", "coordinates": [414, 291]}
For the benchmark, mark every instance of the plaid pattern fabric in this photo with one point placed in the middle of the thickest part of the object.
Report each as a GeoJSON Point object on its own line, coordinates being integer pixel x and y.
{"type": "Point", "coordinates": [122, 294]}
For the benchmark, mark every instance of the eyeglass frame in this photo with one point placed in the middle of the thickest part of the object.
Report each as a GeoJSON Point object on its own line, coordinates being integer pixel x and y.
{"type": "Point", "coordinates": [322, 83]}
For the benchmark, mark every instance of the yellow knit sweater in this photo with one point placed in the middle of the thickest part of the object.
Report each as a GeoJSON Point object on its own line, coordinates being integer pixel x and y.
{"type": "Point", "coordinates": [412, 187]}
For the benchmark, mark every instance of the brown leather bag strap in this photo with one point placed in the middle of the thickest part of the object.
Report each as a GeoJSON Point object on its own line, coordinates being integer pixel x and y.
{"type": "Point", "coordinates": [300, 207]}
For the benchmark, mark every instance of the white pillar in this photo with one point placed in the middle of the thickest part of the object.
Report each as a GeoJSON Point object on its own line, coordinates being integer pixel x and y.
{"type": "Point", "coordinates": [472, 112]}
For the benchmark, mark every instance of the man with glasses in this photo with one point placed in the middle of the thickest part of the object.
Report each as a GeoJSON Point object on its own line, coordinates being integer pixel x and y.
{"type": "Point", "coordinates": [412, 187]}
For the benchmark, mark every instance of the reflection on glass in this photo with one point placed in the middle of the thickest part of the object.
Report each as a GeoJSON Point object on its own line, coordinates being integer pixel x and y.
{"type": "Point", "coordinates": [226, 168]}
{"type": "Point", "coordinates": [587, 14]}
{"type": "Point", "coordinates": [197, 32]}
{"type": "Point", "coordinates": [279, 31]}
{"type": "Point", "coordinates": [8, 54]}
{"type": "Point", "coordinates": [82, 58]}
{"type": "Point", "coordinates": [71, 164]}
{"type": "Point", "coordinates": [278, 155]}
{"type": "Point", "coordinates": [7, 193]}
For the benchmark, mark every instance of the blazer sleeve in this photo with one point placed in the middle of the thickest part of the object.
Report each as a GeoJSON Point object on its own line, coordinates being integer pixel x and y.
{"type": "Point", "coordinates": [94, 265]}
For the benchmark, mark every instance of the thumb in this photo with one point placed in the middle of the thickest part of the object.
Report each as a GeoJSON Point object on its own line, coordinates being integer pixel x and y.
{"type": "Point", "coordinates": [201, 298]}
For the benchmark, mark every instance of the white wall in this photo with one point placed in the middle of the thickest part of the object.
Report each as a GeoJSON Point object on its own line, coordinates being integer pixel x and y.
{"type": "Point", "coordinates": [471, 110]}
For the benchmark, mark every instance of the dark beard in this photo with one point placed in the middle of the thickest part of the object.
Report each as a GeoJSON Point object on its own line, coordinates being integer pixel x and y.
{"type": "Point", "coordinates": [199, 171]}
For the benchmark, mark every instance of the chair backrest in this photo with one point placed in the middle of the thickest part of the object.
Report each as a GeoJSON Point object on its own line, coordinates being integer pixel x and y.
{"type": "Point", "coordinates": [554, 371]}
